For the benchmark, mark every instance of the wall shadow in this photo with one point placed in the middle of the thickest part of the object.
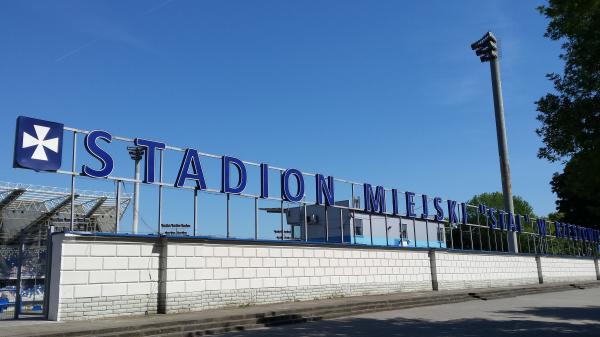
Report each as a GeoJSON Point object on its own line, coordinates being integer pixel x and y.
{"type": "Point", "coordinates": [588, 313]}
{"type": "Point", "coordinates": [521, 325]}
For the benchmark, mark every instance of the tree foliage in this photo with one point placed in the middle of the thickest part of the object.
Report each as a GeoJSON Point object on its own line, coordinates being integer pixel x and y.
{"type": "Point", "coordinates": [570, 116]}
{"type": "Point", "coordinates": [556, 216]}
{"type": "Point", "coordinates": [496, 200]}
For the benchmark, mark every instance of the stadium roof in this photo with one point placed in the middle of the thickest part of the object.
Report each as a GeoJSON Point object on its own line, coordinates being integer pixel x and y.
{"type": "Point", "coordinates": [50, 202]}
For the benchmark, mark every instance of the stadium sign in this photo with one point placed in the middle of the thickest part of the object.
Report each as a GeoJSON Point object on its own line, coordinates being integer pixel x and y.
{"type": "Point", "coordinates": [38, 146]}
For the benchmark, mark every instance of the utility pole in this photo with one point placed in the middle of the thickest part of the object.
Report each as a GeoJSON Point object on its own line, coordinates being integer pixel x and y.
{"type": "Point", "coordinates": [136, 153]}
{"type": "Point", "coordinates": [487, 50]}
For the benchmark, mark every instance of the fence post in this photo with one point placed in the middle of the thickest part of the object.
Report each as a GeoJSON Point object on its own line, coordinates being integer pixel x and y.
{"type": "Point", "coordinates": [326, 225]}
{"type": "Point", "coordinates": [195, 211]}
{"type": "Point", "coordinates": [387, 240]}
{"type": "Point", "coordinates": [256, 218]}
{"type": "Point", "coordinates": [342, 225]}
{"type": "Point", "coordinates": [597, 268]}
{"type": "Point", "coordinates": [118, 207]}
{"type": "Point", "coordinates": [18, 298]}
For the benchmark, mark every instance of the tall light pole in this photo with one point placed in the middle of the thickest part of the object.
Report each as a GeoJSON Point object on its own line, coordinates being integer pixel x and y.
{"type": "Point", "coordinates": [487, 50]}
{"type": "Point", "coordinates": [136, 153]}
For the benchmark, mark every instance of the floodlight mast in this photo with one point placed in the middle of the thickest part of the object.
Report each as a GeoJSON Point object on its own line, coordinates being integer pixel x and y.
{"type": "Point", "coordinates": [136, 153]}
{"type": "Point", "coordinates": [487, 50]}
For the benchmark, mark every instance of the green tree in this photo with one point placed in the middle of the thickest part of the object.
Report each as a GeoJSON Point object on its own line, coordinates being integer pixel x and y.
{"type": "Point", "coordinates": [495, 200]}
{"type": "Point", "coordinates": [570, 116]}
{"type": "Point", "coordinates": [555, 216]}
{"type": "Point", "coordinates": [485, 239]}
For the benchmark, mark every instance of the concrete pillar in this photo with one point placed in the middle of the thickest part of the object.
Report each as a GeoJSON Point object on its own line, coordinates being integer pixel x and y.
{"type": "Point", "coordinates": [433, 266]}
{"type": "Point", "coordinates": [55, 261]}
{"type": "Point", "coordinates": [538, 261]}
{"type": "Point", "coordinates": [162, 276]}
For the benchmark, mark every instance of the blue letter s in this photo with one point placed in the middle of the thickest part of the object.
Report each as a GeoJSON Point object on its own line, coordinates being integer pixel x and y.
{"type": "Point", "coordinates": [95, 150]}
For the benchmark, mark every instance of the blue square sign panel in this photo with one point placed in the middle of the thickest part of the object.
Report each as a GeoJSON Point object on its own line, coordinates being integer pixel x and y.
{"type": "Point", "coordinates": [38, 144]}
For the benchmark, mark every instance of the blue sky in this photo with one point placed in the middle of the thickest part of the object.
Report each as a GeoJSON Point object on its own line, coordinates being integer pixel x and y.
{"type": "Point", "coordinates": [386, 92]}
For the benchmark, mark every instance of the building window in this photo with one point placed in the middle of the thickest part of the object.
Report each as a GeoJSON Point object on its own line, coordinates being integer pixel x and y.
{"type": "Point", "coordinates": [404, 231]}
{"type": "Point", "coordinates": [358, 227]}
{"type": "Point", "coordinates": [440, 234]}
{"type": "Point", "coordinates": [296, 232]}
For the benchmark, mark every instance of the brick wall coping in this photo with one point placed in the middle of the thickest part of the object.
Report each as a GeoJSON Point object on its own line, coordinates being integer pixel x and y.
{"type": "Point", "coordinates": [87, 236]}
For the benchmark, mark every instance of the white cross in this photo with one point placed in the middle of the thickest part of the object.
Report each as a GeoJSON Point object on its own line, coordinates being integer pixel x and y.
{"type": "Point", "coordinates": [40, 142]}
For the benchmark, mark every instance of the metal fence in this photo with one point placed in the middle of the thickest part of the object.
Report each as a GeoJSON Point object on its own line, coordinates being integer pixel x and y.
{"type": "Point", "coordinates": [476, 235]}
{"type": "Point", "coordinates": [22, 280]}
{"type": "Point", "coordinates": [534, 238]}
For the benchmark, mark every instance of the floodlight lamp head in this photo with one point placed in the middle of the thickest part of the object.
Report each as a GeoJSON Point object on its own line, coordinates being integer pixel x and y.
{"type": "Point", "coordinates": [135, 152]}
{"type": "Point", "coordinates": [488, 50]}
{"type": "Point", "coordinates": [488, 57]}
{"type": "Point", "coordinates": [488, 37]}
{"type": "Point", "coordinates": [486, 47]}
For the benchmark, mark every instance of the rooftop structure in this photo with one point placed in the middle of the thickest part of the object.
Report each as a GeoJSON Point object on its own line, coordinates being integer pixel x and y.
{"type": "Point", "coordinates": [356, 226]}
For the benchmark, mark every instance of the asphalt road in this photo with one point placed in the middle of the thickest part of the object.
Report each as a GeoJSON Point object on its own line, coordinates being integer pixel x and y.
{"type": "Point", "coordinates": [568, 313]}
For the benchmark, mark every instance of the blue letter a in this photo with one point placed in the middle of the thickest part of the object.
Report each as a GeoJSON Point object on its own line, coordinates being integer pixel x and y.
{"type": "Point", "coordinates": [190, 159]}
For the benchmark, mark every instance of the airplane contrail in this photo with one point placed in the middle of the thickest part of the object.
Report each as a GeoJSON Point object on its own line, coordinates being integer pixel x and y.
{"type": "Point", "coordinates": [93, 41]}
{"type": "Point", "coordinates": [77, 50]}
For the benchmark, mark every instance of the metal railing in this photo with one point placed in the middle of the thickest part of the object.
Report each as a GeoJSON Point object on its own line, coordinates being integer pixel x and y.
{"type": "Point", "coordinates": [474, 234]}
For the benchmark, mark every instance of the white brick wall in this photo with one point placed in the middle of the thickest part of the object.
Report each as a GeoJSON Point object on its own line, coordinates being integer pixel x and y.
{"type": "Point", "coordinates": [563, 269]}
{"type": "Point", "coordinates": [469, 270]}
{"type": "Point", "coordinates": [124, 274]}
{"type": "Point", "coordinates": [199, 272]}
{"type": "Point", "coordinates": [103, 278]}
{"type": "Point", "coordinates": [93, 272]}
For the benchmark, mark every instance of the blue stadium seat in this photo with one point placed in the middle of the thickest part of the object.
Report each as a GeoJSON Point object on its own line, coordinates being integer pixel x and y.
{"type": "Point", "coordinates": [3, 304]}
